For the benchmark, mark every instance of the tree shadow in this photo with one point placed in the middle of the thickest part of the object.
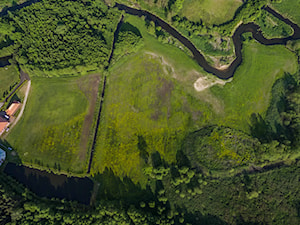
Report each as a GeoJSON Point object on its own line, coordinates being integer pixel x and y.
{"type": "Point", "coordinates": [129, 27]}
{"type": "Point", "coordinates": [259, 128]}
{"type": "Point", "coordinates": [113, 187]}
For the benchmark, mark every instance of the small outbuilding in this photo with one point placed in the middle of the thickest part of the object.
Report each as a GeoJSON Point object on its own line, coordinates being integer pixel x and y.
{"type": "Point", "coordinates": [13, 108]}
{"type": "Point", "coordinates": [2, 156]}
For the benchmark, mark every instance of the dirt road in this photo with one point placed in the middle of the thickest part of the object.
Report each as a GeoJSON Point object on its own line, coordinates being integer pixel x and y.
{"type": "Point", "coordinates": [23, 105]}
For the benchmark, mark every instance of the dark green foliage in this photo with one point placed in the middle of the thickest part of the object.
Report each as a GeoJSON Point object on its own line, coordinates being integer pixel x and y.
{"type": "Point", "coordinates": [64, 34]}
{"type": "Point", "coordinates": [128, 40]}
{"type": "Point", "coordinates": [220, 148]}
{"type": "Point", "coordinates": [272, 26]}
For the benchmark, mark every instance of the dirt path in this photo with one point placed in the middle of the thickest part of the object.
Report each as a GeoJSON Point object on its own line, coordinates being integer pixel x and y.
{"type": "Point", "coordinates": [22, 107]}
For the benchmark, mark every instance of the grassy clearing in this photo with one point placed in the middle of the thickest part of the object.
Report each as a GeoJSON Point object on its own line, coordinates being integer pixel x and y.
{"type": "Point", "coordinates": [50, 133]}
{"type": "Point", "coordinates": [9, 76]}
{"type": "Point", "coordinates": [289, 8]}
{"type": "Point", "coordinates": [151, 104]}
{"type": "Point", "coordinates": [145, 111]}
{"type": "Point", "coordinates": [149, 107]}
{"type": "Point", "coordinates": [250, 90]}
{"type": "Point", "coordinates": [210, 11]}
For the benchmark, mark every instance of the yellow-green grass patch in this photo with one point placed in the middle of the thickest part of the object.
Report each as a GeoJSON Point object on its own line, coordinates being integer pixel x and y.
{"type": "Point", "coordinates": [51, 129]}
{"type": "Point", "coordinates": [145, 111]}
{"type": "Point", "coordinates": [289, 8]}
{"type": "Point", "coordinates": [210, 11]}
{"type": "Point", "coordinates": [250, 90]}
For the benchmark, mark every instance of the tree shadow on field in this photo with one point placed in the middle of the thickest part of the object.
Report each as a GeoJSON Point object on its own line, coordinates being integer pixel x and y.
{"type": "Point", "coordinates": [259, 128]}
{"type": "Point", "coordinates": [128, 27]}
{"type": "Point", "coordinates": [156, 160]}
{"type": "Point", "coordinates": [113, 187]}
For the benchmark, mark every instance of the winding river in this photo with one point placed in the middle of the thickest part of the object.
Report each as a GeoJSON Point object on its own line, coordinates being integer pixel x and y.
{"type": "Point", "coordinates": [250, 27]}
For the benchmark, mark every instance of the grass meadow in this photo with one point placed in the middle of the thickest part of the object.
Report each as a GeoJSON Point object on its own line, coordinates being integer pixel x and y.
{"type": "Point", "coordinates": [145, 111]}
{"type": "Point", "coordinates": [289, 8]}
{"type": "Point", "coordinates": [250, 90]}
{"type": "Point", "coordinates": [148, 107]}
{"type": "Point", "coordinates": [9, 76]}
{"type": "Point", "coordinates": [210, 11]}
{"type": "Point", "coordinates": [151, 104]}
{"type": "Point", "coordinates": [51, 130]}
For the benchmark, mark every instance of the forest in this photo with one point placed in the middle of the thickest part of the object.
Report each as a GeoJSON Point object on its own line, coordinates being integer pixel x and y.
{"type": "Point", "coordinates": [62, 36]}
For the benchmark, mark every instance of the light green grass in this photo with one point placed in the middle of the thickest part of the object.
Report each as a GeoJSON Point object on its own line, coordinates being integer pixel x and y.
{"type": "Point", "coordinates": [50, 129]}
{"type": "Point", "coordinates": [136, 113]}
{"type": "Point", "coordinates": [210, 11]}
{"type": "Point", "coordinates": [145, 103]}
{"type": "Point", "coordinates": [8, 77]}
{"type": "Point", "coordinates": [145, 111]}
{"type": "Point", "coordinates": [289, 8]}
{"type": "Point", "coordinates": [250, 90]}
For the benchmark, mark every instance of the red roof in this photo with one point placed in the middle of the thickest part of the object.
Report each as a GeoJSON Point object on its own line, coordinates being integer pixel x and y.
{"type": "Point", "coordinates": [13, 108]}
{"type": "Point", "coordinates": [3, 126]}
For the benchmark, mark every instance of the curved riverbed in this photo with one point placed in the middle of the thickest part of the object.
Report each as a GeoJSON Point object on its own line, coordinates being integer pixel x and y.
{"type": "Point", "coordinates": [243, 28]}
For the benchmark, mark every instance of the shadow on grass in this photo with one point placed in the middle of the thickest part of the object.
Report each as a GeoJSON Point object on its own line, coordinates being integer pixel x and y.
{"type": "Point", "coordinates": [113, 187]}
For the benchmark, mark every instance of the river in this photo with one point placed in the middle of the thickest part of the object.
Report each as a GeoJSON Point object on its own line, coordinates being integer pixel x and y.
{"type": "Point", "coordinates": [243, 28]}
{"type": "Point", "coordinates": [51, 185]}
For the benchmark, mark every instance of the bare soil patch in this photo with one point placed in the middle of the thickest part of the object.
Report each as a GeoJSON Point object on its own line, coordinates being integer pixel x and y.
{"type": "Point", "coordinates": [89, 85]}
{"type": "Point", "coordinates": [204, 82]}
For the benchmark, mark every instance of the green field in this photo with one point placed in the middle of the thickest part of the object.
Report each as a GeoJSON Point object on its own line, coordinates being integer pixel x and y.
{"type": "Point", "coordinates": [151, 104]}
{"type": "Point", "coordinates": [289, 8]}
{"type": "Point", "coordinates": [145, 111]}
{"type": "Point", "coordinates": [250, 90]}
{"type": "Point", "coordinates": [9, 76]}
{"type": "Point", "coordinates": [51, 132]}
{"type": "Point", "coordinates": [210, 11]}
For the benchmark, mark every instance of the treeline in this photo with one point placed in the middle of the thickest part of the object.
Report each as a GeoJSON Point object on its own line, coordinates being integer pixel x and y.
{"type": "Point", "coordinates": [62, 35]}
{"type": "Point", "coordinates": [20, 206]}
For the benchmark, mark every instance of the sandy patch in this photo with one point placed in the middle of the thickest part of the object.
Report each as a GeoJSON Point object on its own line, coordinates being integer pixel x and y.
{"type": "Point", "coordinates": [204, 82]}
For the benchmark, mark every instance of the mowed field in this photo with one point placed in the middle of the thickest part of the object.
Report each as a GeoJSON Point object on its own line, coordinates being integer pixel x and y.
{"type": "Point", "coordinates": [250, 90]}
{"type": "Point", "coordinates": [55, 128]}
{"type": "Point", "coordinates": [289, 8]}
{"type": "Point", "coordinates": [210, 11]}
{"type": "Point", "coordinates": [8, 77]}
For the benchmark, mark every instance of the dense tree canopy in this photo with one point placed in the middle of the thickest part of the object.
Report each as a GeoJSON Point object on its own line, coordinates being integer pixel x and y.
{"type": "Point", "coordinates": [60, 34]}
